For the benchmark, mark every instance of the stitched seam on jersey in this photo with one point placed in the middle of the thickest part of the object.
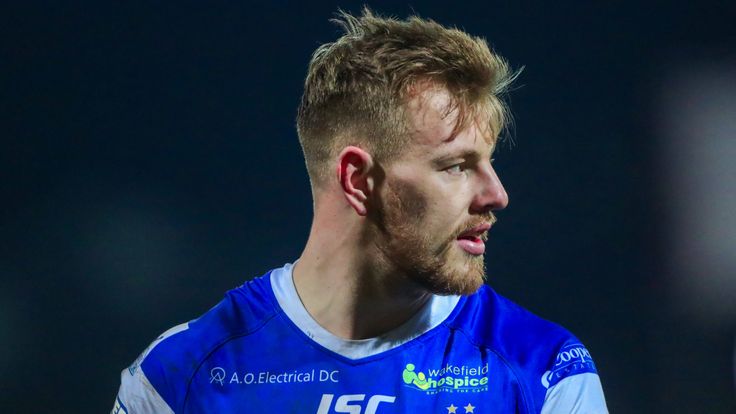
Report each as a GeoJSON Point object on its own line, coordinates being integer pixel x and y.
{"type": "Point", "coordinates": [215, 348]}
{"type": "Point", "coordinates": [522, 384]}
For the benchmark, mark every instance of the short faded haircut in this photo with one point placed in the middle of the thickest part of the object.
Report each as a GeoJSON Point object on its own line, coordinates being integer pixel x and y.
{"type": "Point", "coordinates": [356, 87]}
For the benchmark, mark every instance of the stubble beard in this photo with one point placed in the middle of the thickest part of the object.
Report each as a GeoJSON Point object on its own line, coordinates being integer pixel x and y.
{"type": "Point", "coordinates": [443, 268]}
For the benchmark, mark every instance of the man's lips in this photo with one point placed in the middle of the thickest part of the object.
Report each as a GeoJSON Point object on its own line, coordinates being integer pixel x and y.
{"type": "Point", "coordinates": [472, 240]}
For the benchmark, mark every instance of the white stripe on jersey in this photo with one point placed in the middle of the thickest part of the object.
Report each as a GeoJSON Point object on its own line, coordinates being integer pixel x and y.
{"type": "Point", "coordinates": [137, 396]}
{"type": "Point", "coordinates": [578, 394]}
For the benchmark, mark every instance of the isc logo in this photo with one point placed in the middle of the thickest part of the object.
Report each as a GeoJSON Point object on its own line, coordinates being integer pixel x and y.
{"type": "Point", "coordinates": [352, 403]}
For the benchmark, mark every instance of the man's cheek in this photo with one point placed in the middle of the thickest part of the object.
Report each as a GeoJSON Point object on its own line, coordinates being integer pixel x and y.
{"type": "Point", "coordinates": [413, 201]}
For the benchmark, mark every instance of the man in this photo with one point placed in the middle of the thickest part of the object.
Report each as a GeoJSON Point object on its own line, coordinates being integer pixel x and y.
{"type": "Point", "coordinates": [385, 311]}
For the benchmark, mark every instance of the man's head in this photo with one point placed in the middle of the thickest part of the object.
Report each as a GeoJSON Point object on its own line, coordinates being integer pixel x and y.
{"type": "Point", "coordinates": [357, 87]}
{"type": "Point", "coordinates": [401, 118]}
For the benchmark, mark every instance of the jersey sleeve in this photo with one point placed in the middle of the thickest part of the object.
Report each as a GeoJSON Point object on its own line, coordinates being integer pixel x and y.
{"type": "Point", "coordinates": [136, 394]}
{"type": "Point", "coordinates": [573, 385]}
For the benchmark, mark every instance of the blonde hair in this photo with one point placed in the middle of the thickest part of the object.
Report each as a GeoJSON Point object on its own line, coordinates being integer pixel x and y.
{"type": "Point", "coordinates": [356, 87]}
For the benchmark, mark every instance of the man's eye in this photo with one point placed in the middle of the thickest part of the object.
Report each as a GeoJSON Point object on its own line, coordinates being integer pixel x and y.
{"type": "Point", "coordinates": [455, 169]}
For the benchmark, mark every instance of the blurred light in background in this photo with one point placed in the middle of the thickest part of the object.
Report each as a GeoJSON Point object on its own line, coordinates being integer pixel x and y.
{"type": "Point", "coordinates": [698, 137]}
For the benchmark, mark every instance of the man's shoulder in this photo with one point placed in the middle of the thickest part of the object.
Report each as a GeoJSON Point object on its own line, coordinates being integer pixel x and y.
{"type": "Point", "coordinates": [541, 354]}
{"type": "Point", "coordinates": [242, 311]}
{"type": "Point", "coordinates": [492, 319]}
{"type": "Point", "coordinates": [170, 361]}
{"type": "Point", "coordinates": [517, 335]}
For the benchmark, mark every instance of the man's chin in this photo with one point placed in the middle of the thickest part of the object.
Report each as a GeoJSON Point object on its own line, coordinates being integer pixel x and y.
{"type": "Point", "coordinates": [461, 280]}
{"type": "Point", "coordinates": [450, 271]}
{"type": "Point", "coordinates": [467, 286]}
{"type": "Point", "coordinates": [465, 289]}
{"type": "Point", "coordinates": [467, 275]}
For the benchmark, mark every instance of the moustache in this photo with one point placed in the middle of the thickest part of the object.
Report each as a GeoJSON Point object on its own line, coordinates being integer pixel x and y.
{"type": "Point", "coordinates": [488, 218]}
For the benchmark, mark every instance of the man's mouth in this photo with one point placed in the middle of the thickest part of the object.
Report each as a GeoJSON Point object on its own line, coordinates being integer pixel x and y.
{"type": "Point", "coordinates": [473, 240]}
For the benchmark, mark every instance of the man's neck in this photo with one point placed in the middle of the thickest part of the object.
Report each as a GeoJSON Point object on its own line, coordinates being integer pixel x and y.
{"type": "Point", "coordinates": [348, 290]}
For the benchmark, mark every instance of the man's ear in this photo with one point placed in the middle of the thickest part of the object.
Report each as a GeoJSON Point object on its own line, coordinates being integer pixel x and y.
{"type": "Point", "coordinates": [354, 167]}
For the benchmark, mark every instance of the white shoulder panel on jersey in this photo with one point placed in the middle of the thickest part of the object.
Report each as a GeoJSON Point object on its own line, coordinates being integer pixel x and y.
{"type": "Point", "coordinates": [136, 394]}
{"type": "Point", "coordinates": [578, 394]}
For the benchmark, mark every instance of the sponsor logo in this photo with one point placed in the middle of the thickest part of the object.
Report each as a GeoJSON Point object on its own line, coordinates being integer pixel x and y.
{"type": "Point", "coordinates": [352, 403]}
{"type": "Point", "coordinates": [134, 366]}
{"type": "Point", "coordinates": [219, 375]}
{"type": "Point", "coordinates": [450, 378]}
{"type": "Point", "coordinates": [572, 359]}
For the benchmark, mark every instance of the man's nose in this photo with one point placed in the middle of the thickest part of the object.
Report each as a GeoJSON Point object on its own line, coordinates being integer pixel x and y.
{"type": "Point", "coordinates": [491, 194]}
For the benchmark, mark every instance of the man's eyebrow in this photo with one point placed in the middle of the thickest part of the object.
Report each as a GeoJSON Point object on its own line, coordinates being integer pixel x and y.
{"type": "Point", "coordinates": [466, 153]}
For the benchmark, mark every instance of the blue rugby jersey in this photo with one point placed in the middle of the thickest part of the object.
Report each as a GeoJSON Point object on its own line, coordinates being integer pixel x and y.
{"type": "Point", "coordinates": [259, 351]}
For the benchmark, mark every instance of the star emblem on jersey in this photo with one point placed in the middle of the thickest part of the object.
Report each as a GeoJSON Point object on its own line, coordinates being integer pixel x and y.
{"type": "Point", "coordinates": [452, 409]}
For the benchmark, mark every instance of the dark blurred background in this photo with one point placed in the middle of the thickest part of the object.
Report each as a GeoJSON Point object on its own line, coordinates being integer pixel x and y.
{"type": "Point", "coordinates": [149, 162]}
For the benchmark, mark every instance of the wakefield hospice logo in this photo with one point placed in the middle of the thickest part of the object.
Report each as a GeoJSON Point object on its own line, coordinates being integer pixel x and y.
{"type": "Point", "coordinates": [450, 378]}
